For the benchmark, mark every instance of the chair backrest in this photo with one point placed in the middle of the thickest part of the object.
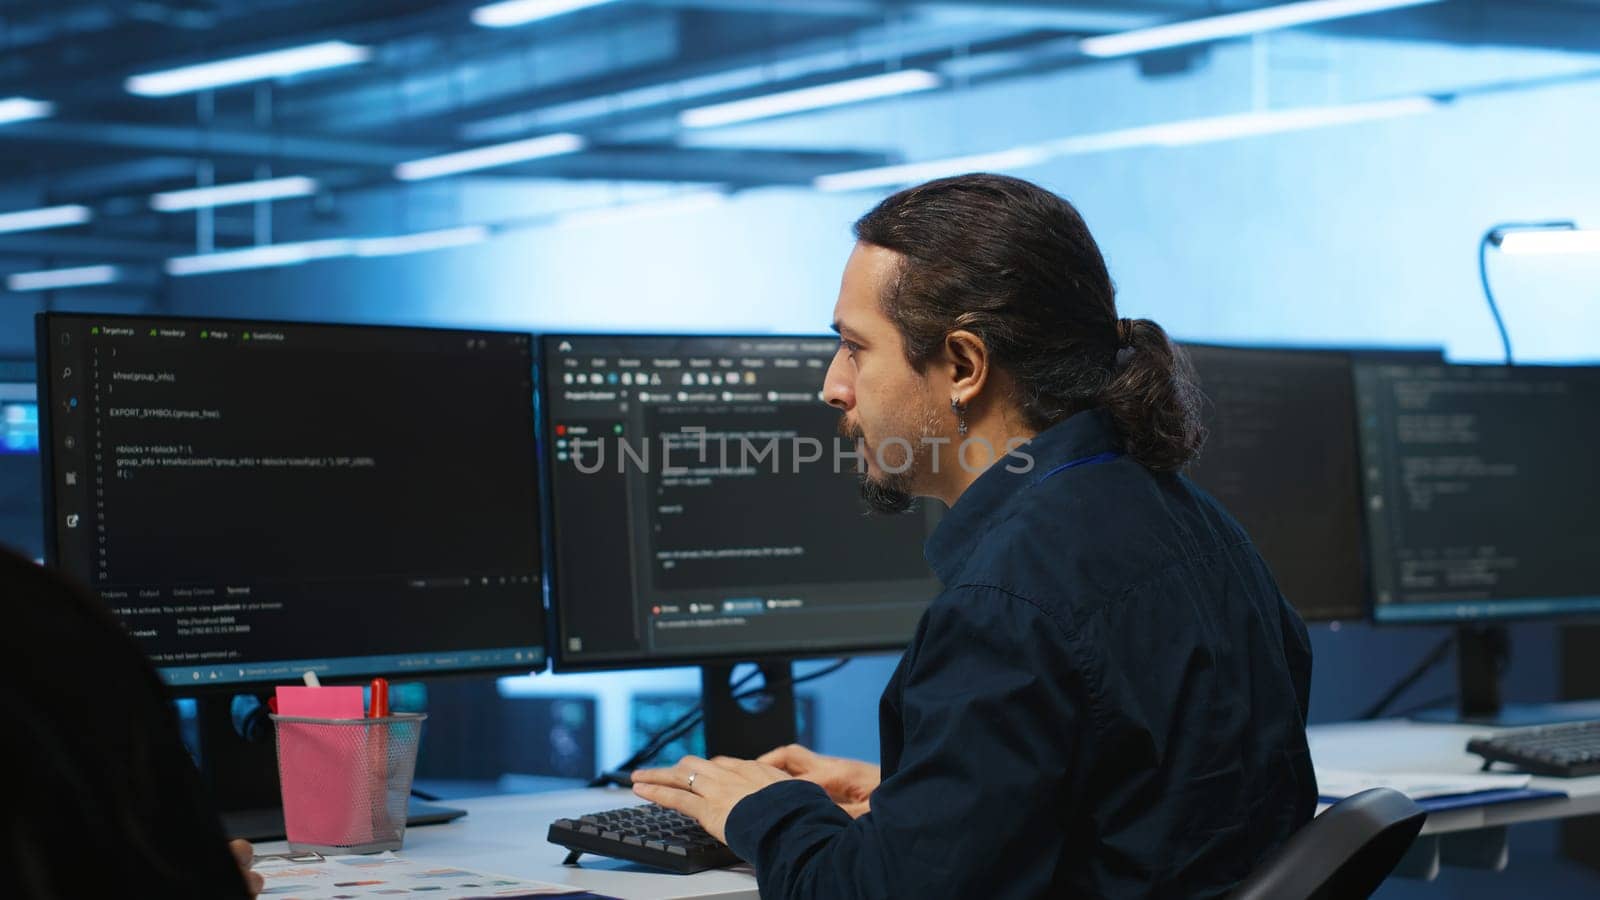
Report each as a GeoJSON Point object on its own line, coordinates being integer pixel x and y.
{"type": "Point", "coordinates": [1344, 853]}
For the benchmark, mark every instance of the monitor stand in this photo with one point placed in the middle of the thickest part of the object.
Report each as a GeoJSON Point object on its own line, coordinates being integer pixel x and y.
{"type": "Point", "coordinates": [243, 776]}
{"type": "Point", "coordinates": [748, 728]}
{"type": "Point", "coordinates": [1482, 654]}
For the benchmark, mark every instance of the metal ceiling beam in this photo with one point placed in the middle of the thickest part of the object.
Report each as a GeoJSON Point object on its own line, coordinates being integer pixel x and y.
{"type": "Point", "coordinates": [264, 146]}
{"type": "Point", "coordinates": [72, 185]}
{"type": "Point", "coordinates": [737, 167]}
{"type": "Point", "coordinates": [658, 162]}
{"type": "Point", "coordinates": [732, 167]}
{"type": "Point", "coordinates": [76, 247]}
{"type": "Point", "coordinates": [845, 9]}
{"type": "Point", "coordinates": [1090, 17]}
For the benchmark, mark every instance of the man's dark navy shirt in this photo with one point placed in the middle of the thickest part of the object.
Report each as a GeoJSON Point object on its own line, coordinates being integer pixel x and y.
{"type": "Point", "coordinates": [1107, 700]}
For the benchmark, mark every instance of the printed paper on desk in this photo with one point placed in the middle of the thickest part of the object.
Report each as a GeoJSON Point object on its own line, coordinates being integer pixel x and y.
{"type": "Point", "coordinates": [390, 875]}
{"type": "Point", "coordinates": [1336, 784]}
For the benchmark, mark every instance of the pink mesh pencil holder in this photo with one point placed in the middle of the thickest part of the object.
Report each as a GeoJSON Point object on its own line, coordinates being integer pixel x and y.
{"type": "Point", "coordinates": [345, 782]}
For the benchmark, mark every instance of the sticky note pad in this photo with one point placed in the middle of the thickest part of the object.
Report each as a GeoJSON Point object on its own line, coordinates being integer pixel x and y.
{"type": "Point", "coordinates": [321, 702]}
{"type": "Point", "coordinates": [323, 768]}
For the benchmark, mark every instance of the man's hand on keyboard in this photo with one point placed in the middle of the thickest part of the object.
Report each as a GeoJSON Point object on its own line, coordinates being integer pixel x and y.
{"type": "Point", "coordinates": [705, 789]}
{"type": "Point", "coordinates": [849, 782]}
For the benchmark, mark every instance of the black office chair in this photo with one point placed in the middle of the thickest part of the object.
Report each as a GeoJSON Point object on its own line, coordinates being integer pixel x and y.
{"type": "Point", "coordinates": [1342, 854]}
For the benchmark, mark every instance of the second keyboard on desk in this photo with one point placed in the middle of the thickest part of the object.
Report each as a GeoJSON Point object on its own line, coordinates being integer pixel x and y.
{"type": "Point", "coordinates": [647, 834]}
{"type": "Point", "coordinates": [1568, 750]}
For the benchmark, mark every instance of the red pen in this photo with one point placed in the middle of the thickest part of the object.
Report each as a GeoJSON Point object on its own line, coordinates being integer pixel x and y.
{"type": "Point", "coordinates": [378, 706]}
{"type": "Point", "coordinates": [378, 748]}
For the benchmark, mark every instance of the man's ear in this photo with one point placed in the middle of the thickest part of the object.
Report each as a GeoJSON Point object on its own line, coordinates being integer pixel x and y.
{"type": "Point", "coordinates": [966, 360]}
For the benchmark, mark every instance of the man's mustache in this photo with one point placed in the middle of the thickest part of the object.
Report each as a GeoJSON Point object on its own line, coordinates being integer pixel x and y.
{"type": "Point", "coordinates": [851, 430]}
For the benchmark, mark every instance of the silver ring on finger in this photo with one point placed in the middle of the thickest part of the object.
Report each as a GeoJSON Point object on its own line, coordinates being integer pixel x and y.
{"type": "Point", "coordinates": [692, 777]}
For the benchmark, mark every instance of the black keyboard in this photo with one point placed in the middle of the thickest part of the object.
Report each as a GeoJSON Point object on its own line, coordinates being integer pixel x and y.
{"type": "Point", "coordinates": [646, 834]}
{"type": "Point", "coordinates": [1568, 750]}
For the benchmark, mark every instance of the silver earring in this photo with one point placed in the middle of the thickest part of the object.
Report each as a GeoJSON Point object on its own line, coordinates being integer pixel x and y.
{"type": "Point", "coordinates": [961, 416]}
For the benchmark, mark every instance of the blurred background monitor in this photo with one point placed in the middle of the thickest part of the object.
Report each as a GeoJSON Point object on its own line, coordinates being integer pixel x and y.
{"type": "Point", "coordinates": [1481, 490]}
{"type": "Point", "coordinates": [21, 503]}
{"type": "Point", "coordinates": [1281, 456]}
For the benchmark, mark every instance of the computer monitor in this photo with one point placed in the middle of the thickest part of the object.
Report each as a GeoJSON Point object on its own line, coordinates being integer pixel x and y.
{"type": "Point", "coordinates": [259, 499]}
{"type": "Point", "coordinates": [1479, 490]}
{"type": "Point", "coordinates": [1280, 454]}
{"type": "Point", "coordinates": [704, 512]}
{"type": "Point", "coordinates": [21, 526]}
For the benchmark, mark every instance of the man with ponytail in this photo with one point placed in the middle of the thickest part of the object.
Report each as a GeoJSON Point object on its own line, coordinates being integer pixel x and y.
{"type": "Point", "coordinates": [1108, 699]}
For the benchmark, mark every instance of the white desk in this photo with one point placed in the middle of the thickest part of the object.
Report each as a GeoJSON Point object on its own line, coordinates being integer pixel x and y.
{"type": "Point", "coordinates": [1399, 745]}
{"type": "Point", "coordinates": [506, 835]}
{"type": "Point", "coordinates": [1470, 838]}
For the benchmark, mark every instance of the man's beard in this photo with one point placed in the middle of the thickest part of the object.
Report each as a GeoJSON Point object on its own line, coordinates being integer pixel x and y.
{"type": "Point", "coordinates": [889, 494]}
